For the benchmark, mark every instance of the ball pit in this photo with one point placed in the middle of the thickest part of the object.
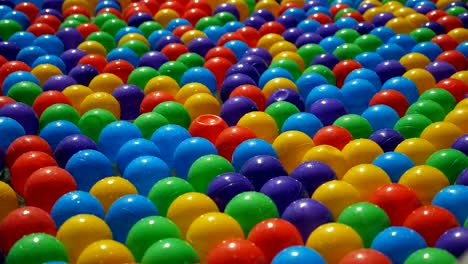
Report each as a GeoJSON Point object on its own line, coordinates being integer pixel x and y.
{"type": "Point", "coordinates": [237, 131]}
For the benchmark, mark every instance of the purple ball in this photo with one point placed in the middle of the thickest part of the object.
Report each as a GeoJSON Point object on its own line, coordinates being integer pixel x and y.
{"type": "Point", "coordinates": [308, 38]}
{"type": "Point", "coordinates": [388, 139]}
{"type": "Point", "coordinates": [71, 145]}
{"type": "Point", "coordinates": [130, 97]}
{"type": "Point", "coordinates": [364, 28]}
{"type": "Point", "coordinates": [462, 178]}
{"type": "Point", "coordinates": [328, 110]}
{"type": "Point", "coordinates": [306, 215]}
{"type": "Point", "coordinates": [261, 52]}
{"type": "Point", "coordinates": [244, 68]}
{"type": "Point", "coordinates": [288, 95]}
{"type": "Point", "coordinates": [166, 40]}
{"type": "Point", "coordinates": [139, 18]}
{"type": "Point", "coordinates": [50, 11]}
{"type": "Point", "coordinates": [201, 46]}
{"type": "Point", "coordinates": [312, 174]}
{"type": "Point", "coordinates": [23, 114]}
{"type": "Point", "coordinates": [464, 18]}
{"type": "Point", "coordinates": [260, 169]}
{"type": "Point", "coordinates": [454, 240]}
{"type": "Point", "coordinates": [153, 59]}
{"type": "Point", "coordinates": [266, 14]}
{"type": "Point", "coordinates": [9, 50]}
{"type": "Point", "coordinates": [83, 74]}
{"type": "Point", "coordinates": [226, 7]}
{"type": "Point", "coordinates": [423, 8]}
{"type": "Point", "coordinates": [235, 108]}
{"type": "Point", "coordinates": [226, 186]}
{"type": "Point", "coordinates": [284, 190]}
{"type": "Point", "coordinates": [434, 26]}
{"type": "Point", "coordinates": [255, 22]}
{"type": "Point", "coordinates": [232, 82]}
{"type": "Point", "coordinates": [70, 37]}
{"type": "Point", "coordinates": [389, 69]}
{"type": "Point", "coordinates": [382, 18]}
{"type": "Point", "coordinates": [440, 70]}
{"type": "Point", "coordinates": [53, 4]}
{"type": "Point", "coordinates": [327, 30]}
{"type": "Point", "coordinates": [292, 34]}
{"type": "Point", "coordinates": [328, 60]}
{"type": "Point", "coordinates": [256, 61]}
{"type": "Point", "coordinates": [363, 8]}
{"type": "Point", "coordinates": [461, 144]}
{"type": "Point", "coordinates": [58, 83]}
{"type": "Point", "coordinates": [71, 58]}
{"type": "Point", "coordinates": [287, 21]}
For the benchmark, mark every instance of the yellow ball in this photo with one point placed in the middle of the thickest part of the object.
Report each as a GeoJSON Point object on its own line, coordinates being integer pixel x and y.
{"type": "Point", "coordinates": [422, 78]}
{"type": "Point", "coordinates": [106, 252]}
{"type": "Point", "coordinates": [336, 195]}
{"type": "Point", "coordinates": [270, 5]}
{"type": "Point", "coordinates": [162, 83]}
{"type": "Point", "coordinates": [190, 89]}
{"type": "Point", "coordinates": [459, 117]}
{"type": "Point", "coordinates": [190, 35]}
{"type": "Point", "coordinates": [366, 178]}
{"type": "Point", "coordinates": [332, 156]}
{"type": "Point", "coordinates": [425, 180]}
{"type": "Point", "coordinates": [262, 124]}
{"type": "Point", "coordinates": [417, 149]}
{"type": "Point", "coordinates": [276, 84]}
{"type": "Point", "coordinates": [459, 34]}
{"type": "Point", "coordinates": [414, 60]}
{"type": "Point", "coordinates": [333, 241]}
{"type": "Point", "coordinates": [93, 47]}
{"type": "Point", "coordinates": [361, 151]}
{"type": "Point", "coordinates": [392, 6]}
{"type": "Point", "coordinates": [416, 20]}
{"type": "Point", "coordinates": [372, 12]}
{"type": "Point", "coordinates": [76, 94]}
{"type": "Point", "coordinates": [297, 2]}
{"type": "Point", "coordinates": [281, 46]}
{"type": "Point", "coordinates": [461, 75]}
{"type": "Point", "coordinates": [292, 55]}
{"type": "Point", "coordinates": [269, 40]}
{"type": "Point", "coordinates": [442, 3]}
{"type": "Point", "coordinates": [8, 198]}
{"type": "Point", "coordinates": [291, 146]}
{"type": "Point", "coordinates": [109, 189]}
{"type": "Point", "coordinates": [202, 104]}
{"type": "Point", "coordinates": [83, 3]}
{"type": "Point", "coordinates": [44, 71]}
{"type": "Point", "coordinates": [400, 25]}
{"type": "Point", "coordinates": [187, 207]}
{"type": "Point", "coordinates": [462, 103]}
{"type": "Point", "coordinates": [101, 100]}
{"type": "Point", "coordinates": [164, 16]}
{"type": "Point", "coordinates": [210, 229]}
{"type": "Point", "coordinates": [441, 134]}
{"type": "Point", "coordinates": [133, 36]}
{"type": "Point", "coordinates": [404, 11]}
{"type": "Point", "coordinates": [105, 82]}
{"type": "Point", "coordinates": [80, 231]}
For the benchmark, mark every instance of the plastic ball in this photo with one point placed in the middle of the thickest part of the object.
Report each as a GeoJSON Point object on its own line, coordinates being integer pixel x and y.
{"type": "Point", "coordinates": [450, 161]}
{"type": "Point", "coordinates": [431, 255]}
{"type": "Point", "coordinates": [236, 251]}
{"type": "Point", "coordinates": [453, 241]}
{"type": "Point", "coordinates": [10, 200]}
{"type": "Point", "coordinates": [441, 134]}
{"type": "Point", "coordinates": [23, 114]}
{"type": "Point", "coordinates": [449, 198]}
{"type": "Point", "coordinates": [458, 117]}
{"type": "Point", "coordinates": [37, 248]}
{"type": "Point", "coordinates": [106, 251]}
{"type": "Point", "coordinates": [298, 254]}
{"type": "Point", "coordinates": [149, 122]}
{"type": "Point", "coordinates": [325, 194]}
{"type": "Point", "coordinates": [312, 174]}
{"type": "Point", "coordinates": [170, 250]}
{"type": "Point", "coordinates": [75, 203]}
{"type": "Point", "coordinates": [329, 155]}
{"type": "Point", "coordinates": [362, 256]}
{"type": "Point", "coordinates": [174, 112]}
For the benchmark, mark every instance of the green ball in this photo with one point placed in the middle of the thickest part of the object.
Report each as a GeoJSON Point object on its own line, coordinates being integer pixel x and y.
{"type": "Point", "coordinates": [106, 39]}
{"type": "Point", "coordinates": [357, 125]}
{"type": "Point", "coordinates": [25, 92]}
{"type": "Point", "coordinates": [431, 256]}
{"type": "Point", "coordinates": [347, 51]}
{"type": "Point", "coordinates": [366, 219]}
{"type": "Point", "coordinates": [191, 60]}
{"type": "Point", "coordinates": [141, 76]}
{"type": "Point", "coordinates": [148, 231]}
{"type": "Point", "coordinates": [422, 34]}
{"type": "Point", "coordinates": [344, 11]}
{"type": "Point", "coordinates": [349, 35]}
{"type": "Point", "coordinates": [57, 112]}
{"type": "Point", "coordinates": [72, 23]}
{"type": "Point", "coordinates": [173, 69]}
{"type": "Point", "coordinates": [9, 27]}
{"type": "Point", "coordinates": [167, 190]}
{"type": "Point", "coordinates": [37, 248]}
{"type": "Point", "coordinates": [427, 108]}
{"type": "Point", "coordinates": [309, 51]}
{"type": "Point", "coordinates": [175, 113]}
{"type": "Point", "coordinates": [280, 111]}
{"type": "Point", "coordinates": [205, 169]}
{"type": "Point", "coordinates": [170, 251]}
{"type": "Point", "coordinates": [441, 96]}
{"type": "Point", "coordinates": [455, 11]}
{"type": "Point", "coordinates": [251, 5]}
{"type": "Point", "coordinates": [138, 46]}
{"type": "Point", "coordinates": [79, 17]}
{"type": "Point", "coordinates": [368, 42]}
{"type": "Point", "coordinates": [93, 122]}
{"type": "Point", "coordinates": [322, 70]}
{"type": "Point", "coordinates": [466, 223]}
{"type": "Point", "coordinates": [289, 65]}
{"type": "Point", "coordinates": [251, 208]}
{"type": "Point", "coordinates": [150, 122]}
{"type": "Point", "coordinates": [225, 17]}
{"type": "Point", "coordinates": [205, 22]}
{"type": "Point", "coordinates": [149, 27]}
{"type": "Point", "coordinates": [412, 125]}
{"type": "Point", "coordinates": [100, 19]}
{"type": "Point", "coordinates": [449, 161]}
{"type": "Point", "coordinates": [112, 26]}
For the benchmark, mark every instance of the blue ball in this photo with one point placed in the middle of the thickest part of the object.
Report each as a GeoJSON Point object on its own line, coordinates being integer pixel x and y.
{"type": "Point", "coordinates": [156, 36]}
{"type": "Point", "coordinates": [398, 243]}
{"type": "Point", "coordinates": [176, 23]}
{"type": "Point", "coordinates": [329, 44]}
{"type": "Point", "coordinates": [125, 212]}
{"type": "Point", "coordinates": [322, 92]}
{"type": "Point", "coordinates": [369, 60]}
{"type": "Point", "coordinates": [75, 203]}
{"type": "Point", "coordinates": [29, 54]}
{"type": "Point", "coordinates": [143, 172]}
{"type": "Point", "coordinates": [56, 131]}
{"type": "Point", "coordinates": [309, 81]}
{"type": "Point", "coordinates": [272, 73]}
{"type": "Point", "coordinates": [232, 26]}
{"type": "Point", "coordinates": [404, 41]}
{"type": "Point", "coordinates": [123, 53]}
{"type": "Point", "coordinates": [200, 75]}
{"type": "Point", "coordinates": [381, 116]}
{"type": "Point", "coordinates": [454, 198]}
{"type": "Point", "coordinates": [10, 130]}
{"type": "Point", "coordinates": [298, 13]}
{"type": "Point", "coordinates": [4, 9]}
{"type": "Point", "coordinates": [463, 48]}
{"type": "Point", "coordinates": [124, 31]}
{"type": "Point", "coordinates": [133, 149]}
{"type": "Point", "coordinates": [104, 4]}
{"type": "Point", "coordinates": [365, 74]}
{"type": "Point", "coordinates": [19, 17]}
{"type": "Point", "coordinates": [383, 33]}
{"type": "Point", "coordinates": [51, 59]}
{"type": "Point", "coordinates": [238, 47]}
{"type": "Point", "coordinates": [391, 51]}
{"type": "Point", "coordinates": [346, 22]}
{"type": "Point", "coordinates": [188, 151]}
{"type": "Point", "coordinates": [88, 167]}
{"type": "Point", "coordinates": [394, 164]}
{"type": "Point", "coordinates": [16, 77]}
{"type": "Point", "coordinates": [305, 122]}
{"type": "Point", "coordinates": [71, 145]}
{"type": "Point", "coordinates": [309, 25]}
{"type": "Point", "coordinates": [357, 94]}
{"type": "Point", "coordinates": [251, 148]}
{"type": "Point", "coordinates": [403, 85]}
{"type": "Point", "coordinates": [50, 43]}
{"type": "Point", "coordinates": [214, 33]}
{"type": "Point", "coordinates": [115, 135]}
{"type": "Point", "coordinates": [428, 49]}
{"type": "Point", "coordinates": [167, 138]}
{"type": "Point", "coordinates": [318, 9]}
{"type": "Point", "coordinates": [22, 38]}
{"type": "Point", "coordinates": [298, 255]}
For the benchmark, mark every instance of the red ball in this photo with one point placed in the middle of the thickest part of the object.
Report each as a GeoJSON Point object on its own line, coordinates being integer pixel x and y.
{"type": "Point", "coordinates": [274, 235]}
{"type": "Point", "coordinates": [87, 29]}
{"type": "Point", "coordinates": [455, 58]}
{"type": "Point", "coordinates": [121, 68]}
{"type": "Point", "coordinates": [3, 60]}
{"type": "Point", "coordinates": [181, 30]}
{"type": "Point", "coordinates": [230, 36]}
{"type": "Point", "coordinates": [271, 27]}
{"type": "Point", "coordinates": [450, 22]}
{"type": "Point", "coordinates": [50, 20]}
{"type": "Point", "coordinates": [208, 127]}
{"type": "Point", "coordinates": [334, 9]}
{"type": "Point", "coordinates": [200, 4]}
{"type": "Point", "coordinates": [12, 66]}
{"type": "Point", "coordinates": [250, 34]}
{"type": "Point", "coordinates": [456, 87]}
{"type": "Point", "coordinates": [334, 136]}
{"type": "Point", "coordinates": [39, 29]}
{"type": "Point", "coordinates": [236, 251]}
{"type": "Point", "coordinates": [218, 66]}
{"type": "Point", "coordinates": [445, 42]}
{"type": "Point", "coordinates": [25, 144]}
{"type": "Point", "coordinates": [153, 99]}
{"type": "Point", "coordinates": [174, 50]}
{"type": "Point", "coordinates": [152, 5]}
{"type": "Point", "coordinates": [343, 68]}
{"type": "Point", "coordinates": [24, 221]}
{"type": "Point", "coordinates": [29, 9]}
{"type": "Point", "coordinates": [431, 222]}
{"type": "Point", "coordinates": [392, 98]}
{"type": "Point", "coordinates": [230, 138]}
{"type": "Point", "coordinates": [46, 185]}
{"type": "Point", "coordinates": [222, 52]}
{"type": "Point", "coordinates": [47, 99]}
{"type": "Point", "coordinates": [110, 10]}
{"type": "Point", "coordinates": [397, 200]}
{"type": "Point", "coordinates": [76, 9]}
{"type": "Point", "coordinates": [365, 256]}
{"type": "Point", "coordinates": [435, 14]}
{"type": "Point", "coordinates": [252, 92]}
{"type": "Point", "coordinates": [25, 165]}
{"type": "Point", "coordinates": [321, 18]}
{"type": "Point", "coordinates": [174, 6]}
{"type": "Point", "coordinates": [5, 100]}
{"type": "Point", "coordinates": [194, 14]}
{"type": "Point", "coordinates": [97, 61]}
